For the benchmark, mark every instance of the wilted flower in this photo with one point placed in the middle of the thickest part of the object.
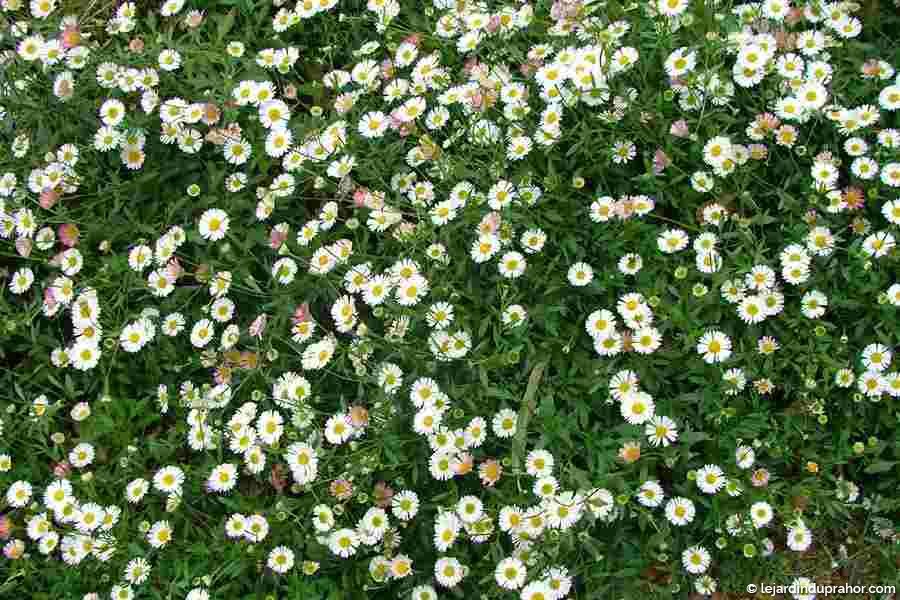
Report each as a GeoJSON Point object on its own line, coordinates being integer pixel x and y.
{"type": "Point", "coordinates": [68, 234]}
{"type": "Point", "coordinates": [382, 494]}
{"type": "Point", "coordinates": [630, 451]}
{"type": "Point", "coordinates": [489, 472]}
{"type": "Point", "coordinates": [679, 129]}
{"type": "Point", "coordinates": [48, 198]}
{"type": "Point", "coordinates": [760, 478]}
{"type": "Point", "coordinates": [661, 161]}
{"type": "Point", "coordinates": [258, 326]}
{"type": "Point", "coordinates": [341, 489]}
{"type": "Point", "coordinates": [5, 527]}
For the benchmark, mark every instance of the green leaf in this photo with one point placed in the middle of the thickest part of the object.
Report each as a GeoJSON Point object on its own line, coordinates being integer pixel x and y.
{"type": "Point", "coordinates": [880, 466]}
{"type": "Point", "coordinates": [225, 22]}
{"type": "Point", "coordinates": [692, 437]}
{"type": "Point", "coordinates": [525, 412]}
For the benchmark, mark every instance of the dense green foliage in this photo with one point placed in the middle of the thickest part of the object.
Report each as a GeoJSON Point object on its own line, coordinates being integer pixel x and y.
{"type": "Point", "coordinates": [563, 299]}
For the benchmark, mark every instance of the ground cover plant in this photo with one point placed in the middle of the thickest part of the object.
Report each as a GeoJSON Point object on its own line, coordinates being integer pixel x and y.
{"type": "Point", "coordinates": [396, 299]}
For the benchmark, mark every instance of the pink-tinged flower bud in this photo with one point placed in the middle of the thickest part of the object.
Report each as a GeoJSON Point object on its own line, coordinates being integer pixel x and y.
{"type": "Point", "coordinates": [277, 237]}
{"type": "Point", "coordinates": [62, 469]}
{"type": "Point", "coordinates": [71, 37]}
{"type": "Point", "coordinates": [290, 92]}
{"type": "Point", "coordinates": [301, 313]}
{"type": "Point", "coordinates": [68, 234]}
{"type": "Point", "coordinates": [258, 326]}
{"type": "Point", "coordinates": [414, 39]}
{"type": "Point", "coordinates": [136, 45]}
{"type": "Point", "coordinates": [49, 298]}
{"type": "Point", "coordinates": [174, 269]}
{"type": "Point", "coordinates": [387, 69]}
{"type": "Point", "coordinates": [48, 198]}
{"type": "Point", "coordinates": [661, 161]}
{"type": "Point", "coordinates": [359, 197]}
{"type": "Point", "coordinates": [494, 23]}
{"type": "Point", "coordinates": [679, 129]}
{"type": "Point", "coordinates": [23, 247]}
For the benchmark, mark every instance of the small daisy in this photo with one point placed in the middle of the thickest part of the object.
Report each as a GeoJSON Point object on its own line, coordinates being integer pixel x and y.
{"type": "Point", "coordinates": [281, 559]}
{"type": "Point", "coordinates": [710, 479]}
{"type": "Point", "coordinates": [680, 511]}
{"type": "Point", "coordinates": [761, 514]}
{"type": "Point", "coordinates": [650, 494]}
{"type": "Point", "coordinates": [661, 431]}
{"type": "Point", "coordinates": [637, 408]}
{"type": "Point", "coordinates": [580, 274]}
{"type": "Point", "coordinates": [696, 560]}
{"type": "Point", "coordinates": [213, 224]}
{"type": "Point", "coordinates": [510, 573]}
